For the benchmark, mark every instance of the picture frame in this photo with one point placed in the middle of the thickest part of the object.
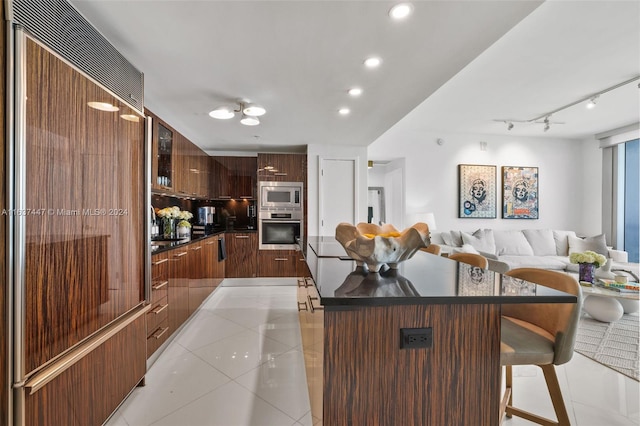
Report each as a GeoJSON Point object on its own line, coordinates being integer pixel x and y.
{"type": "Point", "coordinates": [477, 192]}
{"type": "Point", "coordinates": [520, 192]}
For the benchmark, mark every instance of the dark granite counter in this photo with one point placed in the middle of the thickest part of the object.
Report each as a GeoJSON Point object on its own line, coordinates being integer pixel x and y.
{"type": "Point", "coordinates": [159, 246]}
{"type": "Point", "coordinates": [423, 279]}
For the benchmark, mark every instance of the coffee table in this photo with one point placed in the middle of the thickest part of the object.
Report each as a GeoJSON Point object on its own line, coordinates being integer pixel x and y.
{"type": "Point", "coordinates": [609, 305]}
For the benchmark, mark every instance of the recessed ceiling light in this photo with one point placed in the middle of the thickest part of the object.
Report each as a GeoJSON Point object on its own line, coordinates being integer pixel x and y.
{"type": "Point", "coordinates": [401, 10]}
{"type": "Point", "coordinates": [373, 62]}
{"type": "Point", "coordinates": [103, 106]}
{"type": "Point", "coordinates": [356, 91]}
{"type": "Point", "coordinates": [344, 111]}
{"type": "Point", "coordinates": [222, 113]}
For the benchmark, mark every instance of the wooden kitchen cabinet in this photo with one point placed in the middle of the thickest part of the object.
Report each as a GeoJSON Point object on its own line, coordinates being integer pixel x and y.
{"type": "Point", "coordinates": [157, 317]}
{"type": "Point", "coordinates": [277, 263]}
{"type": "Point", "coordinates": [162, 153]}
{"type": "Point", "coordinates": [311, 315]}
{"type": "Point", "coordinates": [178, 166]}
{"type": "Point", "coordinates": [282, 167]}
{"type": "Point", "coordinates": [242, 254]}
{"type": "Point", "coordinates": [178, 293]}
{"type": "Point", "coordinates": [233, 177]}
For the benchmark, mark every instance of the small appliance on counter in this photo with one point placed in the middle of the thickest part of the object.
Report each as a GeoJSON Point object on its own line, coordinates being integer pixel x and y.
{"type": "Point", "coordinates": [251, 214]}
{"type": "Point", "coordinates": [206, 221]}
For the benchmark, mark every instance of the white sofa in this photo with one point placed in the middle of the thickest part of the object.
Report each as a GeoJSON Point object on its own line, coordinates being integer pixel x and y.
{"type": "Point", "coordinates": [535, 248]}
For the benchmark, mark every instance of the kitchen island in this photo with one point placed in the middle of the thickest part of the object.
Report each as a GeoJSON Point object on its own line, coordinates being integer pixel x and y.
{"type": "Point", "coordinates": [415, 346]}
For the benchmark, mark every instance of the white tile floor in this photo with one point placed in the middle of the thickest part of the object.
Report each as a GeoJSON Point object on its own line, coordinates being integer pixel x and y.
{"type": "Point", "coordinates": [238, 361]}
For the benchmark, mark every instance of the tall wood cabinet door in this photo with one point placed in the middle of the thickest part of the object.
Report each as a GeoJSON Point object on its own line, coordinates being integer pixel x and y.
{"type": "Point", "coordinates": [178, 288]}
{"type": "Point", "coordinates": [162, 155]}
{"type": "Point", "coordinates": [242, 254]}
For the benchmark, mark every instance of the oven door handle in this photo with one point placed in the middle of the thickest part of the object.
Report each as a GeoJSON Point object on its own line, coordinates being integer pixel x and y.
{"type": "Point", "coordinates": [293, 221]}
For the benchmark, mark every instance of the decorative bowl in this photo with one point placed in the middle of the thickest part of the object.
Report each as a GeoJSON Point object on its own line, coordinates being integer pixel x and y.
{"type": "Point", "coordinates": [375, 245]}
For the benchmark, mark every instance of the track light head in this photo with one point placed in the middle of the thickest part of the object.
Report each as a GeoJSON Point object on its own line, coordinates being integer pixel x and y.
{"type": "Point", "coordinates": [509, 125]}
{"type": "Point", "coordinates": [592, 102]}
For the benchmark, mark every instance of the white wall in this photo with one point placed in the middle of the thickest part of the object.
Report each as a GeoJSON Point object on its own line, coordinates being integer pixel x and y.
{"type": "Point", "coordinates": [569, 177]}
{"type": "Point", "coordinates": [314, 152]}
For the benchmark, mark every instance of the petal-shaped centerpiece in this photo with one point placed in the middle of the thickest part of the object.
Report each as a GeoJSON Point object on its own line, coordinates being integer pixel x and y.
{"type": "Point", "coordinates": [376, 245]}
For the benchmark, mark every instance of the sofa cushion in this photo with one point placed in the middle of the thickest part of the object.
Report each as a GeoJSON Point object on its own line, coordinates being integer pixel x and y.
{"type": "Point", "coordinates": [512, 242]}
{"type": "Point", "coordinates": [597, 244]}
{"type": "Point", "coordinates": [562, 241]}
{"type": "Point", "coordinates": [437, 237]}
{"type": "Point", "coordinates": [541, 241]}
{"type": "Point", "coordinates": [481, 240]}
{"type": "Point", "coordinates": [456, 238]}
{"type": "Point", "coordinates": [541, 262]}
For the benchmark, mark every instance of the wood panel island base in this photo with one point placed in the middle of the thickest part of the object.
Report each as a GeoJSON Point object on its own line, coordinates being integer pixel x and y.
{"type": "Point", "coordinates": [417, 346]}
{"type": "Point", "coordinates": [370, 380]}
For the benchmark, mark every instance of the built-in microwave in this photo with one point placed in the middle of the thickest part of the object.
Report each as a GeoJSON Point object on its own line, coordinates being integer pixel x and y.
{"type": "Point", "coordinates": [280, 196]}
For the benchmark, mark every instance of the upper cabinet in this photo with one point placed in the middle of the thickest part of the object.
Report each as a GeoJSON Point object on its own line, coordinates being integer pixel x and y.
{"type": "Point", "coordinates": [233, 177]}
{"type": "Point", "coordinates": [282, 167]}
{"type": "Point", "coordinates": [178, 167]}
{"type": "Point", "coordinates": [162, 153]}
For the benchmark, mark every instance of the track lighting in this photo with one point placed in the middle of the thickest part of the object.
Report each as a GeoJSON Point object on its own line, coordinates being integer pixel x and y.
{"type": "Point", "coordinates": [592, 102]}
{"type": "Point", "coordinates": [250, 113]}
{"type": "Point", "coordinates": [592, 99]}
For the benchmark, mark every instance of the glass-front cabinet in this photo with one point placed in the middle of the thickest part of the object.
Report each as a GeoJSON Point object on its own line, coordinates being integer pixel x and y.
{"type": "Point", "coordinates": [162, 154]}
{"type": "Point", "coordinates": [163, 158]}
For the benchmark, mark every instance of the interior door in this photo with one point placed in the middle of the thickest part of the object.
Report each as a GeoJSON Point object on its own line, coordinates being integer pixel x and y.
{"type": "Point", "coordinates": [337, 190]}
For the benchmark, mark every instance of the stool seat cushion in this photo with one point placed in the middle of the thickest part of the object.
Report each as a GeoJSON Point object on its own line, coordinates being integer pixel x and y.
{"type": "Point", "coordinates": [523, 343]}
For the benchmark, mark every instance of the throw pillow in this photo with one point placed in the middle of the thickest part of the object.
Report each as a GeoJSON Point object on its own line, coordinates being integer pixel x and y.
{"type": "Point", "coordinates": [456, 238]}
{"type": "Point", "coordinates": [512, 243]}
{"type": "Point", "coordinates": [541, 241]}
{"type": "Point", "coordinates": [562, 242]}
{"type": "Point", "coordinates": [446, 238]}
{"type": "Point", "coordinates": [481, 240]}
{"type": "Point", "coordinates": [596, 244]}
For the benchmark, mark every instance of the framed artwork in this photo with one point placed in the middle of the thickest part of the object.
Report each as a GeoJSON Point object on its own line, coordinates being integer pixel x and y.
{"type": "Point", "coordinates": [519, 192]}
{"type": "Point", "coordinates": [477, 191]}
{"type": "Point", "coordinates": [475, 281]}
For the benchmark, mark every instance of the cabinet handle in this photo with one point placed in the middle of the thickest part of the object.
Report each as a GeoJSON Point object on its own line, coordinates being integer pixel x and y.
{"type": "Point", "coordinates": [308, 282]}
{"type": "Point", "coordinates": [160, 285]}
{"type": "Point", "coordinates": [281, 259]}
{"type": "Point", "coordinates": [246, 196]}
{"type": "Point", "coordinates": [242, 236]}
{"type": "Point", "coordinates": [224, 197]}
{"type": "Point", "coordinates": [314, 308]}
{"type": "Point", "coordinates": [196, 248]}
{"type": "Point", "coordinates": [301, 283]}
{"type": "Point", "coordinates": [208, 244]}
{"type": "Point", "coordinates": [158, 334]}
{"type": "Point", "coordinates": [184, 253]}
{"type": "Point", "coordinates": [159, 262]}
{"type": "Point", "coordinates": [160, 309]}
{"type": "Point", "coordinates": [279, 174]}
{"type": "Point", "coordinates": [302, 304]}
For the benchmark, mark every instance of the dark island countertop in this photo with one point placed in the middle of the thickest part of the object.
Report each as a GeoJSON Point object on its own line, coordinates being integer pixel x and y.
{"type": "Point", "coordinates": [423, 279]}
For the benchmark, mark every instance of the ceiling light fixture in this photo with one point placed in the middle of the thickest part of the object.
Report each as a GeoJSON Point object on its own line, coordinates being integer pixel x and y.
{"type": "Point", "coordinates": [372, 62]}
{"type": "Point", "coordinates": [250, 113]}
{"type": "Point", "coordinates": [591, 104]}
{"type": "Point", "coordinates": [249, 120]}
{"type": "Point", "coordinates": [401, 11]}
{"type": "Point", "coordinates": [344, 111]}
{"type": "Point", "coordinates": [356, 91]}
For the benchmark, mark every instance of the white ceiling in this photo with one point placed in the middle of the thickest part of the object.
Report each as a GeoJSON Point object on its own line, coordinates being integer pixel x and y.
{"type": "Point", "coordinates": [452, 66]}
